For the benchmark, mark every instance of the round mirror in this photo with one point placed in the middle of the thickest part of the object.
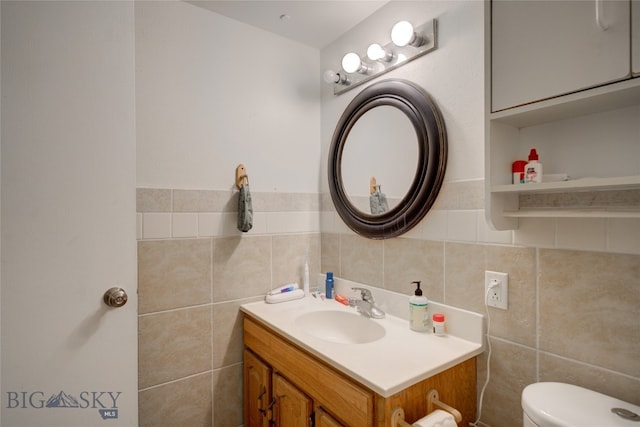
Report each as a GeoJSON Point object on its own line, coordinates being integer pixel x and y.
{"type": "Point", "coordinates": [387, 159]}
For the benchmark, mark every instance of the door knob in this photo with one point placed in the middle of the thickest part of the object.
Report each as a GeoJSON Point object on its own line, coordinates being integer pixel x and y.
{"type": "Point", "coordinates": [115, 297]}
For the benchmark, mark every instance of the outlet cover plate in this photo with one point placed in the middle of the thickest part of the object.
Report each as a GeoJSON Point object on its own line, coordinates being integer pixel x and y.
{"type": "Point", "coordinates": [498, 296]}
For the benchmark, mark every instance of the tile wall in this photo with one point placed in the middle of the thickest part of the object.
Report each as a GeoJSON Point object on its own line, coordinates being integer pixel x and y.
{"type": "Point", "coordinates": [574, 292]}
{"type": "Point", "coordinates": [194, 271]}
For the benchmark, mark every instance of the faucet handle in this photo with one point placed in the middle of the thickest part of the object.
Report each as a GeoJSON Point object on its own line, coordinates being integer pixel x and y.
{"type": "Point", "coordinates": [365, 293]}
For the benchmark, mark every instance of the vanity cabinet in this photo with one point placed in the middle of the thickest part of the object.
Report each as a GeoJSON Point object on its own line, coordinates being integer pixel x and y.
{"type": "Point", "coordinates": [558, 82]}
{"type": "Point", "coordinates": [290, 386]}
{"type": "Point", "coordinates": [271, 397]}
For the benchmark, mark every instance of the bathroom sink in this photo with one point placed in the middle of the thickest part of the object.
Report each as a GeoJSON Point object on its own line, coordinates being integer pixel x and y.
{"type": "Point", "coordinates": [340, 327]}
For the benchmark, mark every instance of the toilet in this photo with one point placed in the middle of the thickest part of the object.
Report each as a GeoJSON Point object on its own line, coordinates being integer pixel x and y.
{"type": "Point", "coordinates": [551, 404]}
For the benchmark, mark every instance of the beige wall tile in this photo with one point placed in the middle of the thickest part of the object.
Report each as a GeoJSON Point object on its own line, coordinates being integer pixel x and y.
{"type": "Point", "coordinates": [227, 333]}
{"type": "Point", "coordinates": [623, 235]}
{"type": "Point", "coordinates": [330, 254]}
{"type": "Point", "coordinates": [623, 387]}
{"type": "Point", "coordinates": [241, 267]}
{"type": "Point", "coordinates": [204, 201]}
{"type": "Point", "coordinates": [173, 274]}
{"type": "Point", "coordinates": [435, 225]}
{"type": "Point", "coordinates": [187, 402]}
{"type": "Point", "coordinates": [570, 233]}
{"type": "Point", "coordinates": [406, 260]}
{"type": "Point", "coordinates": [593, 330]}
{"type": "Point", "coordinates": [518, 322]}
{"type": "Point", "coordinates": [326, 202]}
{"type": "Point", "coordinates": [464, 266]}
{"type": "Point", "coordinates": [153, 200]}
{"type": "Point", "coordinates": [462, 226]}
{"type": "Point", "coordinates": [513, 367]}
{"type": "Point", "coordinates": [156, 225]}
{"type": "Point", "coordinates": [288, 258]}
{"type": "Point", "coordinates": [465, 195]}
{"type": "Point", "coordinates": [536, 232]}
{"type": "Point", "coordinates": [361, 260]}
{"type": "Point", "coordinates": [308, 202]}
{"type": "Point", "coordinates": [273, 202]}
{"type": "Point", "coordinates": [227, 396]}
{"type": "Point", "coordinates": [590, 308]}
{"type": "Point", "coordinates": [286, 202]}
{"type": "Point", "coordinates": [174, 344]}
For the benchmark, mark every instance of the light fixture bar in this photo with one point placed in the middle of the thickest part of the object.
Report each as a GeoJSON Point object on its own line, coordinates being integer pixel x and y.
{"type": "Point", "coordinates": [401, 56]}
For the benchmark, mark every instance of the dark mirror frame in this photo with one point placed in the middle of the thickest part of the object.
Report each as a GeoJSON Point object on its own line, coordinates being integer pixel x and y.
{"type": "Point", "coordinates": [427, 121]}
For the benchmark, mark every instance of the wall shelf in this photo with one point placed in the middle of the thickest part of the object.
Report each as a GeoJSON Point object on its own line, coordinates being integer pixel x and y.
{"type": "Point", "coordinates": [573, 213]}
{"type": "Point", "coordinates": [585, 184]}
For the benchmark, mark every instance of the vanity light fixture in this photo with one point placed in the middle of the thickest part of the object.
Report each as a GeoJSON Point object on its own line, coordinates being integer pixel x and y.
{"type": "Point", "coordinates": [407, 43]}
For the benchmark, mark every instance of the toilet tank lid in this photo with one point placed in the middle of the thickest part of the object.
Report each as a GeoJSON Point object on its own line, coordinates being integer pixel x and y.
{"type": "Point", "coordinates": [552, 404]}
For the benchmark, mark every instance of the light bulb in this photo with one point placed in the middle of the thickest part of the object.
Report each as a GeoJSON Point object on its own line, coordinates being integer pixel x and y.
{"type": "Point", "coordinates": [351, 62]}
{"type": "Point", "coordinates": [375, 52]}
{"type": "Point", "coordinates": [330, 76]}
{"type": "Point", "coordinates": [402, 33]}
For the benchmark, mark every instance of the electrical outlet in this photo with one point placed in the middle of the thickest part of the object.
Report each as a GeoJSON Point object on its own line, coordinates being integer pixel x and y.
{"type": "Point", "coordinates": [497, 296]}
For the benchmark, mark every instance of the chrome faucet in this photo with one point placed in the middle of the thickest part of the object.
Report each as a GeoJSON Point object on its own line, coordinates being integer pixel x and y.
{"type": "Point", "coordinates": [366, 305]}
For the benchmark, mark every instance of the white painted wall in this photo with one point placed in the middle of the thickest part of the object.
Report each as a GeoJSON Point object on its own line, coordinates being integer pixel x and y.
{"type": "Point", "coordinates": [212, 92]}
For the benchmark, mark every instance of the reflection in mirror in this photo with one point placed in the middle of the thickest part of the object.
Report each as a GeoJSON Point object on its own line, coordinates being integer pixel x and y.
{"type": "Point", "coordinates": [382, 144]}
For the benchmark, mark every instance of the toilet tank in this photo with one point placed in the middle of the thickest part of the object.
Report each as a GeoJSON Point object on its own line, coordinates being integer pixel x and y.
{"type": "Point", "coordinates": [550, 404]}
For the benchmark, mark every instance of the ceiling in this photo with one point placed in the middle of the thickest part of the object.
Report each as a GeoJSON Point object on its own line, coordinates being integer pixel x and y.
{"type": "Point", "coordinates": [313, 23]}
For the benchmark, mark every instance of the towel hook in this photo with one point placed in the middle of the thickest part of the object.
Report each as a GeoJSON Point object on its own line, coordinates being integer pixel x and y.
{"type": "Point", "coordinates": [372, 185]}
{"type": "Point", "coordinates": [241, 176]}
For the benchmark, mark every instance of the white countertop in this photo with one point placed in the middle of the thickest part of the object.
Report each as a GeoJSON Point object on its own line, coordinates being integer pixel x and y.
{"type": "Point", "coordinates": [394, 362]}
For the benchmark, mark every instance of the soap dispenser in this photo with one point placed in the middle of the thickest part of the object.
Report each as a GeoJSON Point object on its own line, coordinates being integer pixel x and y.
{"type": "Point", "coordinates": [418, 310]}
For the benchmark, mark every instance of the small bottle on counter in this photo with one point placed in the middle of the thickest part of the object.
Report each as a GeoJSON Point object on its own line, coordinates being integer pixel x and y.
{"type": "Point", "coordinates": [305, 276]}
{"type": "Point", "coordinates": [328, 291]}
{"type": "Point", "coordinates": [438, 324]}
{"type": "Point", "coordinates": [533, 169]}
{"type": "Point", "coordinates": [517, 171]}
{"type": "Point", "coordinates": [418, 310]}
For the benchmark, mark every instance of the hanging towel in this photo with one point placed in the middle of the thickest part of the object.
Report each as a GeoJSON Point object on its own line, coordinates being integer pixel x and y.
{"type": "Point", "coordinates": [245, 210]}
{"type": "Point", "coordinates": [378, 202]}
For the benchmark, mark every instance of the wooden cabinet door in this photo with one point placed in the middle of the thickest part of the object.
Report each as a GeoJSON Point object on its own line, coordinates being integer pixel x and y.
{"type": "Point", "coordinates": [323, 419]}
{"type": "Point", "coordinates": [542, 49]}
{"type": "Point", "coordinates": [257, 391]}
{"type": "Point", "coordinates": [292, 407]}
